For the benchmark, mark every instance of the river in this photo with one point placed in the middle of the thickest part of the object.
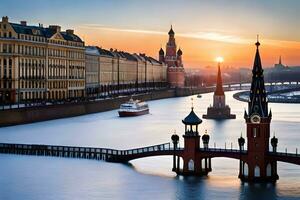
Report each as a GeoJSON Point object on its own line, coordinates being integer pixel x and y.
{"type": "Point", "coordinates": [32, 177]}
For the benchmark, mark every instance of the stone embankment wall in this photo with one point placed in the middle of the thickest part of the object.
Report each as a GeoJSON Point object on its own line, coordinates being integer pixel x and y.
{"type": "Point", "coordinates": [36, 114]}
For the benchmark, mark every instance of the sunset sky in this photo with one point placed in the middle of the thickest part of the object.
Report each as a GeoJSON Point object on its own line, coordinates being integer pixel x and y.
{"type": "Point", "coordinates": [203, 29]}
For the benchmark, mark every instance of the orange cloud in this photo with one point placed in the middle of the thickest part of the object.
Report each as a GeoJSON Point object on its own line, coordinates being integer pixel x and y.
{"type": "Point", "coordinates": [200, 49]}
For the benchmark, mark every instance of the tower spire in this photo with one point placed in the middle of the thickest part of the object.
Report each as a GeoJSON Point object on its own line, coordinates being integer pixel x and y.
{"type": "Point", "coordinates": [171, 32]}
{"type": "Point", "coordinates": [219, 87]}
{"type": "Point", "coordinates": [280, 63]}
{"type": "Point", "coordinates": [258, 98]}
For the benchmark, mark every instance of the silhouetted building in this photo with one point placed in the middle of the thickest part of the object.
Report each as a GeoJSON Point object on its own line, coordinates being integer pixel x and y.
{"type": "Point", "coordinates": [219, 110]}
{"type": "Point", "coordinates": [279, 65]}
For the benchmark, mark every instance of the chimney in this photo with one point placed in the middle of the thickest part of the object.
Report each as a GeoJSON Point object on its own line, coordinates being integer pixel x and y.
{"type": "Point", "coordinates": [4, 19]}
{"type": "Point", "coordinates": [70, 32]}
{"type": "Point", "coordinates": [23, 23]}
{"type": "Point", "coordinates": [56, 28]}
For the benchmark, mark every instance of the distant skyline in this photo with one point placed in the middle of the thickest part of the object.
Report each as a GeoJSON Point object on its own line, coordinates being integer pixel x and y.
{"type": "Point", "coordinates": [203, 29]}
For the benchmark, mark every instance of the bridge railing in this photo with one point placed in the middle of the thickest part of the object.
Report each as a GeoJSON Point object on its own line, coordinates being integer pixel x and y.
{"type": "Point", "coordinates": [284, 154]}
{"type": "Point", "coordinates": [51, 149]}
{"type": "Point", "coordinates": [223, 150]}
{"type": "Point", "coordinates": [159, 147]}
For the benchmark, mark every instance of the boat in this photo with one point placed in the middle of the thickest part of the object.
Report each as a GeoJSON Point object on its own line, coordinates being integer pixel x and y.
{"type": "Point", "coordinates": [199, 96]}
{"type": "Point", "coordinates": [133, 108]}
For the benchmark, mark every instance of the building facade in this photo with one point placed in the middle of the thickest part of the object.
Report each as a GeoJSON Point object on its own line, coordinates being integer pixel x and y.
{"type": "Point", "coordinates": [120, 71]}
{"type": "Point", "coordinates": [173, 59]}
{"type": "Point", "coordinates": [43, 64]}
{"type": "Point", "coordinates": [40, 64]}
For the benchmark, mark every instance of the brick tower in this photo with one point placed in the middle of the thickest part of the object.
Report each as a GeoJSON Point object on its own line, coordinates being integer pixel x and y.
{"type": "Point", "coordinates": [257, 166]}
{"type": "Point", "coordinates": [173, 59]}
{"type": "Point", "coordinates": [191, 160]}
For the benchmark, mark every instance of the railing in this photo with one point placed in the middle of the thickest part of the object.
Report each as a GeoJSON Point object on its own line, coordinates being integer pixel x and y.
{"type": "Point", "coordinates": [223, 150]}
{"type": "Point", "coordinates": [284, 154]}
{"type": "Point", "coordinates": [101, 95]}
{"type": "Point", "coordinates": [155, 148]}
{"type": "Point", "coordinates": [78, 152]}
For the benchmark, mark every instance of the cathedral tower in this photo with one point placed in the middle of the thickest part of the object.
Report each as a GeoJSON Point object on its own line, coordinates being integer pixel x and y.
{"type": "Point", "coordinates": [258, 119]}
{"type": "Point", "coordinates": [173, 60]}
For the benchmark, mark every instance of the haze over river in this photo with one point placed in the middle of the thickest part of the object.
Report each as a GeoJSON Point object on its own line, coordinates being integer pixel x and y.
{"type": "Point", "coordinates": [33, 177]}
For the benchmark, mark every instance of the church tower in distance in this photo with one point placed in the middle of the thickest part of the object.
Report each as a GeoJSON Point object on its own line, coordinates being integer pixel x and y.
{"type": "Point", "coordinates": [219, 110]}
{"type": "Point", "coordinates": [173, 60]}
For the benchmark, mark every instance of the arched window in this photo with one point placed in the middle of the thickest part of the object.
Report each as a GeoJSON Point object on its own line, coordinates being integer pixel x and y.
{"type": "Point", "coordinates": [269, 170]}
{"type": "Point", "coordinates": [256, 171]}
{"type": "Point", "coordinates": [191, 165]}
{"type": "Point", "coordinates": [246, 170]}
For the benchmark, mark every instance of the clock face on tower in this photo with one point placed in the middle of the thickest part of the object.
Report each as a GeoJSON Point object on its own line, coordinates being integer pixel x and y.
{"type": "Point", "coordinates": [255, 119]}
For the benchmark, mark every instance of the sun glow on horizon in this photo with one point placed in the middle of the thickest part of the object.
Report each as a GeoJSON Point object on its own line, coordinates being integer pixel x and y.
{"type": "Point", "coordinates": [219, 59]}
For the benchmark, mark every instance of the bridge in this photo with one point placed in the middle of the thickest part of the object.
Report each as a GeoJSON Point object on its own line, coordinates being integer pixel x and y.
{"type": "Point", "coordinates": [124, 156]}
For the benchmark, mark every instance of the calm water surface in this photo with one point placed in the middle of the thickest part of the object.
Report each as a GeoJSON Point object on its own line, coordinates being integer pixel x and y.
{"type": "Point", "coordinates": [31, 177]}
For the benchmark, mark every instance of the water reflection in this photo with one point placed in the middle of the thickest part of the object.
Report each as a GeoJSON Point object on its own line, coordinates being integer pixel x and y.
{"type": "Point", "coordinates": [266, 191]}
{"type": "Point", "coordinates": [148, 178]}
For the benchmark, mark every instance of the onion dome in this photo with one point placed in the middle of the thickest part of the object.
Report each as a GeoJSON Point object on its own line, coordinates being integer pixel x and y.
{"type": "Point", "coordinates": [205, 137]}
{"type": "Point", "coordinates": [241, 141]}
{"type": "Point", "coordinates": [175, 138]}
{"type": "Point", "coordinates": [192, 119]}
{"type": "Point", "coordinates": [274, 141]}
{"type": "Point", "coordinates": [161, 52]}
{"type": "Point", "coordinates": [171, 32]}
{"type": "Point", "coordinates": [179, 52]}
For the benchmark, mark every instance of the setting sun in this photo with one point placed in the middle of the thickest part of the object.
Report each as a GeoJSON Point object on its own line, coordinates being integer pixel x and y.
{"type": "Point", "coordinates": [219, 59]}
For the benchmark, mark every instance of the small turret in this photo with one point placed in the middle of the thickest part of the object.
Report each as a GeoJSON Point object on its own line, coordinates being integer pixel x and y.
{"type": "Point", "coordinates": [205, 140]}
{"type": "Point", "coordinates": [171, 32]}
{"type": "Point", "coordinates": [179, 52]}
{"type": "Point", "coordinates": [274, 142]}
{"type": "Point", "coordinates": [191, 123]}
{"type": "Point", "coordinates": [241, 141]}
{"type": "Point", "coordinates": [175, 139]}
{"type": "Point", "coordinates": [161, 55]}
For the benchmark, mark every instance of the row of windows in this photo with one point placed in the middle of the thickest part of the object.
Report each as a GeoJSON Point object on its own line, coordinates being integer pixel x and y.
{"type": "Point", "coordinates": [76, 84]}
{"type": "Point", "coordinates": [32, 38]}
{"type": "Point", "coordinates": [55, 72]}
{"type": "Point", "coordinates": [39, 51]}
{"type": "Point", "coordinates": [32, 84]}
{"type": "Point", "coordinates": [69, 43]}
{"type": "Point", "coordinates": [32, 95]}
{"type": "Point", "coordinates": [57, 84]}
{"type": "Point", "coordinates": [50, 95]}
{"type": "Point", "coordinates": [6, 34]}
{"type": "Point", "coordinates": [5, 84]}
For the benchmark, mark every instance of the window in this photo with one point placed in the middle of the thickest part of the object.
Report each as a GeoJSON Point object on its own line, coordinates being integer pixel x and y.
{"type": "Point", "coordinates": [4, 67]}
{"type": "Point", "coordinates": [4, 50]}
{"type": "Point", "coordinates": [254, 133]}
{"type": "Point", "coordinates": [10, 68]}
